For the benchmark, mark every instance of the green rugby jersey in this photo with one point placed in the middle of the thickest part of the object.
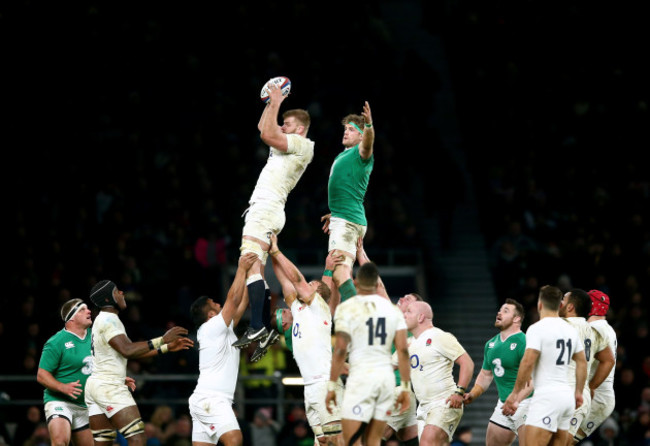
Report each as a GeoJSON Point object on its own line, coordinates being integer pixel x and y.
{"type": "Point", "coordinates": [502, 358]}
{"type": "Point", "coordinates": [67, 357]}
{"type": "Point", "coordinates": [347, 186]}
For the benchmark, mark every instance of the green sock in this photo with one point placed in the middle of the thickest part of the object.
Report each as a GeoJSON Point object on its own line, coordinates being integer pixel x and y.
{"type": "Point", "coordinates": [347, 290]}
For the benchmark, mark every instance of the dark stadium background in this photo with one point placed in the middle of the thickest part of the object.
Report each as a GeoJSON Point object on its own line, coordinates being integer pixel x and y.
{"type": "Point", "coordinates": [130, 133]}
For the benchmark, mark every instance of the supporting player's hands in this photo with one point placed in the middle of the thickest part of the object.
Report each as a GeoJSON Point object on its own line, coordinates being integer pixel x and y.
{"type": "Point", "coordinates": [334, 257]}
{"type": "Point", "coordinates": [130, 383]}
{"type": "Point", "coordinates": [73, 389]}
{"type": "Point", "coordinates": [326, 224]}
{"type": "Point", "coordinates": [362, 257]}
{"type": "Point", "coordinates": [403, 401]}
{"type": "Point", "coordinates": [246, 261]}
{"type": "Point", "coordinates": [510, 406]}
{"type": "Point", "coordinates": [273, 243]}
{"type": "Point", "coordinates": [455, 401]}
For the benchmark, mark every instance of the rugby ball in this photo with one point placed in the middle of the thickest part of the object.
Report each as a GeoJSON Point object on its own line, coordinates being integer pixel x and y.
{"type": "Point", "coordinates": [281, 81]}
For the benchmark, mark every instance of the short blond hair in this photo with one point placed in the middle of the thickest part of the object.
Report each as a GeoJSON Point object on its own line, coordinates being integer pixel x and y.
{"type": "Point", "coordinates": [301, 115]}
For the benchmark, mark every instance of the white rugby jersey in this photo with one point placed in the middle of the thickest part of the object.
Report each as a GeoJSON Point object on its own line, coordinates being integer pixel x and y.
{"type": "Point", "coordinates": [608, 335]}
{"type": "Point", "coordinates": [312, 339]}
{"type": "Point", "coordinates": [371, 321]}
{"type": "Point", "coordinates": [218, 359]}
{"type": "Point", "coordinates": [283, 170]}
{"type": "Point", "coordinates": [556, 341]}
{"type": "Point", "coordinates": [432, 355]}
{"type": "Point", "coordinates": [108, 364]}
{"type": "Point", "coordinates": [592, 343]}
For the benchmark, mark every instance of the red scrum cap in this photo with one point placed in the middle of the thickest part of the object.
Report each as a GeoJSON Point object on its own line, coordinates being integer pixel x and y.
{"type": "Point", "coordinates": [599, 303]}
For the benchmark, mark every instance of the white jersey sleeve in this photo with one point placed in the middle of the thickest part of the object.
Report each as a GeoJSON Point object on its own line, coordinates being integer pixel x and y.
{"type": "Point", "coordinates": [108, 364]}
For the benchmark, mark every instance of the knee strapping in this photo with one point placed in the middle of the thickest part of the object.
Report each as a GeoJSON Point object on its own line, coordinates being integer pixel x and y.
{"type": "Point", "coordinates": [332, 429]}
{"type": "Point", "coordinates": [135, 427]}
{"type": "Point", "coordinates": [104, 435]}
{"type": "Point", "coordinates": [251, 246]}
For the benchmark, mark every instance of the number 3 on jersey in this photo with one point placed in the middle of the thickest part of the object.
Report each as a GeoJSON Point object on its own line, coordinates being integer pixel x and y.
{"type": "Point", "coordinates": [376, 330]}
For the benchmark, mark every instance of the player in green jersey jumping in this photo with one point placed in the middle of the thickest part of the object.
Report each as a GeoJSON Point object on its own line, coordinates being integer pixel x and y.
{"type": "Point", "coordinates": [501, 358]}
{"type": "Point", "coordinates": [348, 182]}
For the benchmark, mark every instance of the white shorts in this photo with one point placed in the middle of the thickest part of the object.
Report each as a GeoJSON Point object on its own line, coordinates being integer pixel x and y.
{"type": "Point", "coordinates": [107, 398]}
{"type": "Point", "coordinates": [438, 413]}
{"type": "Point", "coordinates": [512, 422]}
{"type": "Point", "coordinates": [262, 218]}
{"type": "Point", "coordinates": [317, 413]}
{"type": "Point", "coordinates": [76, 415]}
{"type": "Point", "coordinates": [344, 235]}
{"type": "Point", "coordinates": [367, 398]}
{"type": "Point", "coordinates": [399, 421]}
{"type": "Point", "coordinates": [212, 416]}
{"type": "Point", "coordinates": [602, 406]}
{"type": "Point", "coordinates": [551, 410]}
{"type": "Point", "coordinates": [580, 414]}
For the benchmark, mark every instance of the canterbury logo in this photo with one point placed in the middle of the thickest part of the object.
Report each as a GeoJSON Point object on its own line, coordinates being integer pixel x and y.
{"type": "Point", "coordinates": [69, 345]}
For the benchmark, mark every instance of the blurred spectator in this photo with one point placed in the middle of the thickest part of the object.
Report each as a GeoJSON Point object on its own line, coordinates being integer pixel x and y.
{"type": "Point", "coordinates": [27, 425]}
{"type": "Point", "coordinates": [182, 432]}
{"type": "Point", "coordinates": [296, 414]}
{"type": "Point", "coordinates": [627, 387]}
{"type": "Point", "coordinates": [264, 429]}
{"type": "Point", "coordinates": [40, 436]}
{"type": "Point", "coordinates": [151, 432]}
{"type": "Point", "coordinates": [639, 431]}
{"type": "Point", "coordinates": [300, 435]}
{"type": "Point", "coordinates": [162, 420]}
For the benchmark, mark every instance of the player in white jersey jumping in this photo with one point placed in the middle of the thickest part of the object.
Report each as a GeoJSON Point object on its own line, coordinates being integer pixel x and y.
{"type": "Point", "coordinates": [311, 340]}
{"type": "Point", "coordinates": [110, 404]}
{"type": "Point", "coordinates": [368, 324]}
{"type": "Point", "coordinates": [433, 353]}
{"type": "Point", "coordinates": [551, 343]}
{"type": "Point", "coordinates": [290, 152]}
{"type": "Point", "coordinates": [575, 308]}
{"type": "Point", "coordinates": [603, 398]}
{"type": "Point", "coordinates": [213, 418]}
